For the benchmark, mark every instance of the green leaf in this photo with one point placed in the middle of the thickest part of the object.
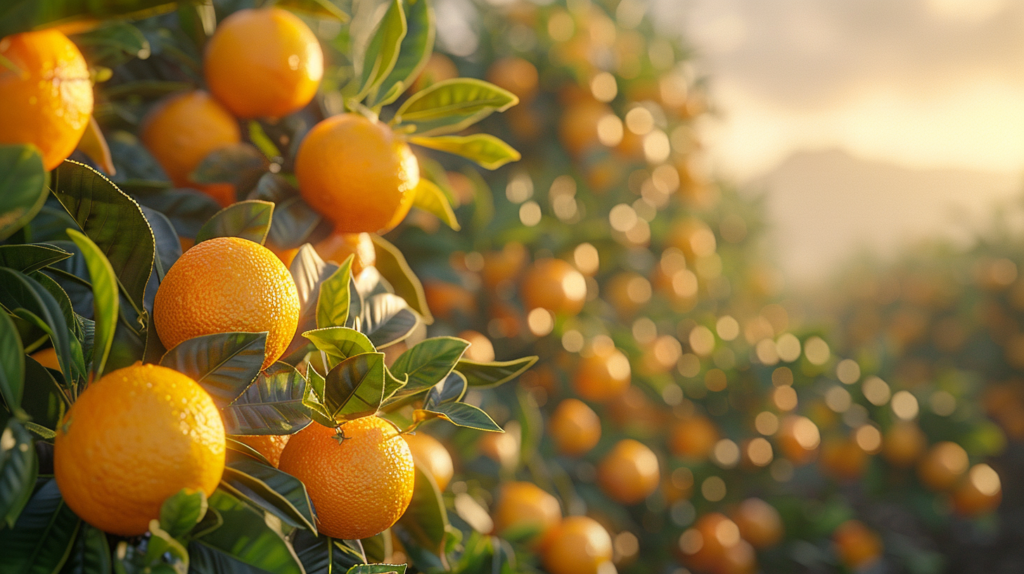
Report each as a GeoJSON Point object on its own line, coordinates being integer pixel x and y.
{"type": "Point", "coordinates": [25, 15]}
{"type": "Point", "coordinates": [340, 343]}
{"type": "Point", "coordinates": [275, 491]}
{"type": "Point", "coordinates": [378, 568]}
{"type": "Point", "coordinates": [460, 415]}
{"type": "Point", "coordinates": [450, 390]}
{"type": "Point", "coordinates": [113, 221]}
{"type": "Point", "coordinates": [386, 320]}
{"type": "Point", "coordinates": [393, 384]}
{"type": "Point", "coordinates": [428, 362]}
{"type": "Point", "coordinates": [29, 258]}
{"type": "Point", "coordinates": [431, 199]}
{"type": "Point", "coordinates": [355, 387]}
{"type": "Point", "coordinates": [234, 445]}
{"type": "Point", "coordinates": [309, 271]}
{"type": "Point", "coordinates": [393, 267]}
{"type": "Point", "coordinates": [104, 300]}
{"type": "Point", "coordinates": [414, 52]}
{"type": "Point", "coordinates": [33, 303]}
{"type": "Point", "coordinates": [22, 186]}
{"type": "Point", "coordinates": [271, 405]}
{"type": "Point", "coordinates": [188, 210]}
{"type": "Point", "coordinates": [12, 366]}
{"type": "Point", "coordinates": [18, 469]}
{"type": "Point", "coordinates": [246, 219]}
{"type": "Point", "coordinates": [42, 538]}
{"type": "Point", "coordinates": [452, 105]}
{"type": "Point", "coordinates": [493, 374]}
{"type": "Point", "coordinates": [239, 164]}
{"type": "Point", "coordinates": [179, 513]}
{"type": "Point", "coordinates": [90, 553]}
{"type": "Point", "coordinates": [44, 400]}
{"type": "Point", "coordinates": [160, 546]}
{"type": "Point", "coordinates": [426, 519]}
{"type": "Point", "coordinates": [294, 220]}
{"type": "Point", "coordinates": [244, 538]}
{"type": "Point", "coordinates": [112, 44]}
{"type": "Point", "coordinates": [223, 363]}
{"type": "Point", "coordinates": [168, 250]}
{"type": "Point", "coordinates": [382, 51]}
{"type": "Point", "coordinates": [319, 8]}
{"type": "Point", "coordinates": [323, 555]}
{"type": "Point", "coordinates": [486, 150]}
{"type": "Point", "coordinates": [333, 303]}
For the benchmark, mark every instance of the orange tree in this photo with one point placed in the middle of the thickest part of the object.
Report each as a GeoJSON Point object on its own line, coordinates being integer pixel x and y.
{"type": "Point", "coordinates": [210, 359]}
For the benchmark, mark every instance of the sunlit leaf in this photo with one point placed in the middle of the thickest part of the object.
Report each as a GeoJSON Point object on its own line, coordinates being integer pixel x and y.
{"type": "Point", "coordinates": [270, 405]}
{"type": "Point", "coordinates": [355, 387]}
{"type": "Point", "coordinates": [18, 468]}
{"type": "Point", "coordinates": [246, 219]}
{"type": "Point", "coordinates": [179, 513]}
{"type": "Point", "coordinates": [276, 491]}
{"type": "Point", "coordinates": [386, 320]}
{"type": "Point", "coordinates": [382, 51]}
{"type": "Point", "coordinates": [459, 414]}
{"type": "Point", "coordinates": [413, 53]}
{"type": "Point", "coordinates": [244, 538]}
{"type": "Point", "coordinates": [29, 258]}
{"type": "Point", "coordinates": [22, 186]}
{"type": "Point", "coordinates": [223, 363]}
{"type": "Point", "coordinates": [493, 374]}
{"type": "Point", "coordinates": [428, 362]}
{"type": "Point", "coordinates": [105, 300]}
{"type": "Point", "coordinates": [333, 303]}
{"type": "Point", "coordinates": [431, 199]}
{"type": "Point", "coordinates": [486, 150]}
{"type": "Point", "coordinates": [393, 267]}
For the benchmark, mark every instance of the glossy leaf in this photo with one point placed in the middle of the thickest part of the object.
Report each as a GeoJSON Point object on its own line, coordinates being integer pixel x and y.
{"type": "Point", "coordinates": [382, 51]}
{"type": "Point", "coordinates": [393, 267]}
{"type": "Point", "coordinates": [460, 415]}
{"type": "Point", "coordinates": [223, 363]}
{"type": "Point", "coordinates": [29, 258]}
{"type": "Point", "coordinates": [41, 539]}
{"type": "Point", "coordinates": [340, 343]}
{"type": "Point", "coordinates": [246, 219]}
{"type": "Point", "coordinates": [168, 249]}
{"type": "Point", "coordinates": [104, 300]}
{"type": "Point", "coordinates": [428, 362]}
{"type": "Point", "coordinates": [393, 384]}
{"type": "Point", "coordinates": [319, 8]}
{"type": "Point", "coordinates": [414, 52]}
{"type": "Point", "coordinates": [355, 387]}
{"type": "Point", "coordinates": [493, 374]}
{"type": "Point", "coordinates": [452, 105]}
{"type": "Point", "coordinates": [44, 400]}
{"type": "Point", "coordinates": [244, 538]}
{"type": "Point", "coordinates": [239, 164]}
{"type": "Point", "coordinates": [294, 220]}
{"type": "Point", "coordinates": [181, 512]}
{"type": "Point", "coordinates": [450, 390]}
{"type": "Point", "coordinates": [12, 366]}
{"type": "Point", "coordinates": [426, 519]}
{"type": "Point", "coordinates": [386, 320]}
{"type": "Point", "coordinates": [22, 186]}
{"type": "Point", "coordinates": [323, 555]}
{"type": "Point", "coordinates": [431, 199]}
{"type": "Point", "coordinates": [333, 302]}
{"type": "Point", "coordinates": [90, 553]}
{"type": "Point", "coordinates": [18, 469]}
{"type": "Point", "coordinates": [285, 494]}
{"type": "Point", "coordinates": [486, 150]}
{"type": "Point", "coordinates": [271, 405]}
{"type": "Point", "coordinates": [188, 210]}
{"type": "Point", "coordinates": [235, 446]}
{"type": "Point", "coordinates": [35, 304]}
{"type": "Point", "coordinates": [378, 568]}
{"type": "Point", "coordinates": [309, 271]}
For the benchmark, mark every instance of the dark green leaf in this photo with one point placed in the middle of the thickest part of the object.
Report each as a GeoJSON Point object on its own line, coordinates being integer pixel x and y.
{"type": "Point", "coordinates": [112, 44]}
{"type": "Point", "coordinates": [309, 271]}
{"type": "Point", "coordinates": [393, 267]}
{"type": "Point", "coordinates": [486, 150]}
{"type": "Point", "coordinates": [393, 384]}
{"type": "Point", "coordinates": [18, 468]}
{"type": "Point", "coordinates": [355, 388]}
{"type": "Point", "coordinates": [414, 52]}
{"type": "Point", "coordinates": [428, 362]}
{"type": "Point", "coordinates": [333, 303]}
{"type": "Point", "coordinates": [236, 446]}
{"type": "Point", "coordinates": [450, 390]}
{"type": "Point", "coordinates": [386, 320]}
{"type": "Point", "coordinates": [29, 258]}
{"type": "Point", "coordinates": [133, 162]}
{"type": "Point", "coordinates": [24, 15]}
{"type": "Point", "coordinates": [181, 512]}
{"type": "Point", "coordinates": [461, 415]}
{"type": "Point", "coordinates": [323, 555]}
{"type": "Point", "coordinates": [285, 494]}
{"type": "Point", "coordinates": [431, 199]}
{"type": "Point", "coordinates": [239, 164]}
{"type": "Point", "coordinates": [12, 366]}
{"type": "Point", "coordinates": [382, 51]}
{"type": "Point", "coordinates": [41, 540]}
{"type": "Point", "coordinates": [294, 220]}
{"type": "Point", "coordinates": [223, 363]}
{"type": "Point", "coordinates": [426, 519]}
{"type": "Point", "coordinates": [244, 538]}
{"type": "Point", "coordinates": [105, 300]}
{"type": "Point", "coordinates": [44, 400]}
{"type": "Point", "coordinates": [188, 210]}
{"type": "Point", "coordinates": [487, 375]}
{"type": "Point", "coordinates": [271, 405]}
{"type": "Point", "coordinates": [378, 568]}
{"type": "Point", "coordinates": [90, 553]}
{"type": "Point", "coordinates": [246, 219]}
{"type": "Point", "coordinates": [35, 304]}
{"type": "Point", "coordinates": [168, 248]}
{"type": "Point", "coordinates": [22, 185]}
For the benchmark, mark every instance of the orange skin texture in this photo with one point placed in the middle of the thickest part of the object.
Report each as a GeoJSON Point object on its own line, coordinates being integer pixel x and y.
{"type": "Point", "coordinates": [554, 285]}
{"type": "Point", "coordinates": [337, 247]}
{"type": "Point", "coordinates": [270, 446]}
{"type": "Point", "coordinates": [361, 484]}
{"type": "Point", "coordinates": [50, 102]}
{"type": "Point", "coordinates": [357, 173]}
{"type": "Point", "coordinates": [432, 458]}
{"type": "Point", "coordinates": [579, 545]}
{"type": "Point", "coordinates": [515, 75]}
{"type": "Point", "coordinates": [856, 544]}
{"type": "Point", "coordinates": [693, 437]}
{"type": "Point", "coordinates": [523, 503]}
{"type": "Point", "coordinates": [226, 285]}
{"type": "Point", "coordinates": [574, 427]}
{"type": "Point", "coordinates": [263, 63]}
{"type": "Point", "coordinates": [629, 473]}
{"type": "Point", "coordinates": [759, 523]}
{"type": "Point", "coordinates": [182, 130]}
{"type": "Point", "coordinates": [602, 375]}
{"type": "Point", "coordinates": [134, 438]}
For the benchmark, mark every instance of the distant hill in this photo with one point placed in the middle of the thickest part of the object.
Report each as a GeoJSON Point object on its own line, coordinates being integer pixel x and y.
{"type": "Point", "coordinates": [827, 206]}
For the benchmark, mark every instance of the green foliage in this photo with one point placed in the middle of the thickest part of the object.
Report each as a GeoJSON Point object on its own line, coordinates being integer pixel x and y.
{"type": "Point", "coordinates": [181, 512]}
{"type": "Point", "coordinates": [246, 219]}
{"type": "Point", "coordinates": [223, 363]}
{"type": "Point", "coordinates": [42, 538]}
{"type": "Point", "coordinates": [332, 307]}
{"type": "Point", "coordinates": [484, 149]}
{"type": "Point", "coordinates": [451, 106]}
{"type": "Point", "coordinates": [431, 199]}
{"type": "Point", "coordinates": [105, 300]}
{"type": "Point", "coordinates": [272, 404]}
{"type": "Point", "coordinates": [23, 186]}
{"type": "Point", "coordinates": [267, 488]}
{"type": "Point", "coordinates": [18, 469]}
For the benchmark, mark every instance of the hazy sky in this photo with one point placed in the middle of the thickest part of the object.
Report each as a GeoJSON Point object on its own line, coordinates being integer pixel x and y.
{"type": "Point", "coordinates": [922, 83]}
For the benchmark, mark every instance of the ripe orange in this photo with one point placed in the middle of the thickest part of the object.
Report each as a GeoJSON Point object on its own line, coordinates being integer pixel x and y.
{"type": "Point", "coordinates": [629, 473]}
{"type": "Point", "coordinates": [693, 437]}
{"type": "Point", "coordinates": [704, 547]}
{"type": "Point", "coordinates": [445, 300]}
{"type": "Point", "coordinates": [856, 544]}
{"type": "Point", "coordinates": [502, 448]}
{"type": "Point", "coordinates": [47, 102]}
{"type": "Point", "coordinates": [798, 439]}
{"type": "Point", "coordinates": [515, 75]}
{"type": "Point", "coordinates": [903, 444]}
{"type": "Point", "coordinates": [526, 505]}
{"type": "Point", "coordinates": [182, 130]}
{"type": "Point", "coordinates": [431, 456]}
{"type": "Point", "coordinates": [574, 427]}
{"type": "Point", "coordinates": [981, 492]}
{"type": "Point", "coordinates": [579, 545]}
{"type": "Point", "coordinates": [554, 285]}
{"type": "Point", "coordinates": [47, 358]}
{"type": "Point", "coordinates": [360, 476]}
{"type": "Point", "coordinates": [337, 247]}
{"type": "Point", "coordinates": [263, 63]}
{"type": "Point", "coordinates": [480, 347]}
{"type": "Point", "coordinates": [943, 465]}
{"type": "Point", "coordinates": [437, 69]}
{"type": "Point", "coordinates": [135, 437]}
{"type": "Point", "coordinates": [504, 265]}
{"type": "Point", "coordinates": [602, 375]}
{"type": "Point", "coordinates": [578, 125]}
{"type": "Point", "coordinates": [759, 523]}
{"type": "Point", "coordinates": [843, 458]}
{"type": "Point", "coordinates": [225, 285]}
{"type": "Point", "coordinates": [270, 446]}
{"type": "Point", "coordinates": [740, 559]}
{"type": "Point", "coordinates": [357, 173]}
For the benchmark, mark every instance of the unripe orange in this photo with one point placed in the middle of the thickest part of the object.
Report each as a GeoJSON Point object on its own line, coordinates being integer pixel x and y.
{"type": "Point", "coordinates": [629, 473]}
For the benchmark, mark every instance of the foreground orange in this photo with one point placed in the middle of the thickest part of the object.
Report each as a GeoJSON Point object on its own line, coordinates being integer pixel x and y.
{"type": "Point", "coordinates": [359, 476]}
{"type": "Point", "coordinates": [134, 438]}
{"type": "Point", "coordinates": [228, 285]}
{"type": "Point", "coordinates": [47, 102]}
{"type": "Point", "coordinates": [579, 545]}
{"type": "Point", "coordinates": [263, 63]}
{"type": "Point", "coordinates": [357, 173]}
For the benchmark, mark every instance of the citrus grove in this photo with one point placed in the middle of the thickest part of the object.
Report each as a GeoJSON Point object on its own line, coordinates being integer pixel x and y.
{"type": "Point", "coordinates": [263, 311]}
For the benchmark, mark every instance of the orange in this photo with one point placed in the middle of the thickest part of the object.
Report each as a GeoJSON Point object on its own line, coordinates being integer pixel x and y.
{"type": "Point", "coordinates": [579, 545]}
{"type": "Point", "coordinates": [798, 439]}
{"type": "Point", "coordinates": [48, 101]}
{"type": "Point", "coordinates": [504, 265]}
{"type": "Point", "coordinates": [577, 126]}
{"type": "Point", "coordinates": [337, 247]}
{"type": "Point", "coordinates": [270, 446]}
{"type": "Point", "coordinates": [134, 438]}
{"type": "Point", "coordinates": [183, 129]}
{"type": "Point", "coordinates": [359, 476]}
{"type": "Point", "coordinates": [431, 456]}
{"type": "Point", "coordinates": [693, 437]}
{"type": "Point", "coordinates": [502, 448]}
{"type": "Point", "coordinates": [856, 544]}
{"type": "Point", "coordinates": [47, 358]}
{"type": "Point", "coordinates": [603, 374]}
{"type": "Point", "coordinates": [285, 255]}
{"type": "Point", "coordinates": [357, 173]}
{"type": "Point", "coordinates": [227, 285]}
{"type": "Point", "coordinates": [480, 347]}
{"type": "Point", "coordinates": [981, 492]}
{"type": "Point", "coordinates": [627, 292]}
{"type": "Point", "coordinates": [437, 69]}
{"type": "Point", "coordinates": [574, 427]}
{"type": "Point", "coordinates": [903, 444]}
{"type": "Point", "coordinates": [629, 473]}
{"type": "Point", "coordinates": [704, 546]}
{"type": "Point", "coordinates": [515, 75]}
{"type": "Point", "coordinates": [759, 523]}
{"type": "Point", "coordinates": [524, 505]}
{"type": "Point", "coordinates": [446, 300]}
{"type": "Point", "coordinates": [943, 465]}
{"type": "Point", "coordinates": [740, 559]}
{"type": "Point", "coordinates": [554, 285]}
{"type": "Point", "coordinates": [263, 63]}
{"type": "Point", "coordinates": [843, 458]}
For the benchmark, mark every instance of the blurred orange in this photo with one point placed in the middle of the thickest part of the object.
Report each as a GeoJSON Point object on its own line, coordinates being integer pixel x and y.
{"type": "Point", "coordinates": [943, 465]}
{"type": "Point", "coordinates": [759, 523]}
{"type": "Point", "coordinates": [504, 265]}
{"type": "Point", "coordinates": [480, 347]}
{"type": "Point", "coordinates": [798, 439]}
{"type": "Point", "coordinates": [579, 545]}
{"type": "Point", "coordinates": [523, 505]}
{"type": "Point", "coordinates": [602, 374]}
{"type": "Point", "coordinates": [554, 285]}
{"type": "Point", "coordinates": [856, 544]}
{"type": "Point", "coordinates": [446, 300]}
{"type": "Point", "coordinates": [515, 75]}
{"type": "Point", "coordinates": [574, 427]}
{"type": "Point", "coordinates": [629, 473]}
{"type": "Point", "coordinates": [431, 457]}
{"type": "Point", "coordinates": [903, 444]}
{"type": "Point", "coordinates": [694, 437]}
{"type": "Point", "coordinates": [337, 247]}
